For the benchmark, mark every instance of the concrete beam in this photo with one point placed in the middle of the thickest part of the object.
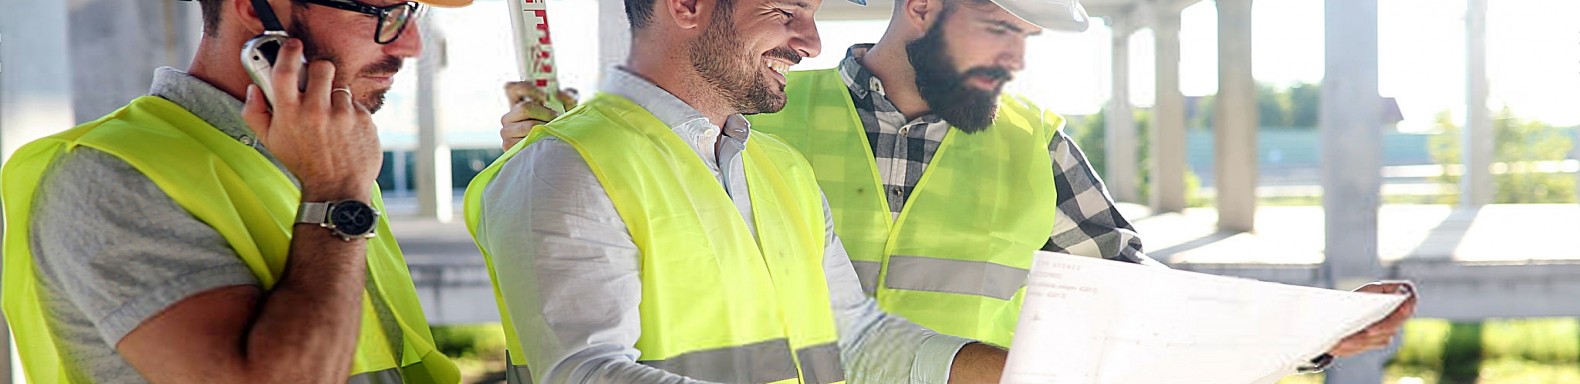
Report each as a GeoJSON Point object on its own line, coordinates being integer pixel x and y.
{"type": "Point", "coordinates": [1308, 275]}
{"type": "Point", "coordinates": [881, 10]}
{"type": "Point", "coordinates": [435, 194]}
{"type": "Point", "coordinates": [1476, 184]}
{"type": "Point", "coordinates": [127, 40]}
{"type": "Point", "coordinates": [460, 293]}
{"type": "Point", "coordinates": [1168, 117]}
{"type": "Point", "coordinates": [1235, 120]}
{"type": "Point", "coordinates": [1119, 119]}
{"type": "Point", "coordinates": [1453, 291]}
{"type": "Point", "coordinates": [1351, 126]}
{"type": "Point", "coordinates": [614, 36]}
{"type": "Point", "coordinates": [841, 10]}
{"type": "Point", "coordinates": [454, 294]}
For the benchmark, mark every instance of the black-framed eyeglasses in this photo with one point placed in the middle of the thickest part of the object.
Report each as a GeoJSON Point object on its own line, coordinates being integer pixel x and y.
{"type": "Point", "coordinates": [392, 19]}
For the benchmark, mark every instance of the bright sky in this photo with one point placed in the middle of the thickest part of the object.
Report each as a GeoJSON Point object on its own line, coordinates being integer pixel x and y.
{"type": "Point", "coordinates": [1533, 60]}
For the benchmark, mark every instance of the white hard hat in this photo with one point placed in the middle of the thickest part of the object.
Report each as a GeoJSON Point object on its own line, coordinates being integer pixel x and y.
{"type": "Point", "coordinates": [1057, 15]}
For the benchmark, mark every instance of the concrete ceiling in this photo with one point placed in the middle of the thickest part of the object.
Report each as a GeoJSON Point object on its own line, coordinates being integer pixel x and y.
{"type": "Point", "coordinates": [879, 9]}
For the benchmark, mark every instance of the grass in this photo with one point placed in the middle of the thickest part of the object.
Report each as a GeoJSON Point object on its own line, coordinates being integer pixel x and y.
{"type": "Point", "coordinates": [1525, 351]}
{"type": "Point", "coordinates": [477, 349]}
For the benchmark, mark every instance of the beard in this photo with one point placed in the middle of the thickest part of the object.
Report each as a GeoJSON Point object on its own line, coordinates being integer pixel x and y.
{"type": "Point", "coordinates": [372, 99]}
{"type": "Point", "coordinates": [945, 88]}
{"type": "Point", "coordinates": [719, 58]}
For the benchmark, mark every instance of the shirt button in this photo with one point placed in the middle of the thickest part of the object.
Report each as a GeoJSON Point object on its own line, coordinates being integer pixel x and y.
{"type": "Point", "coordinates": [895, 191]}
{"type": "Point", "coordinates": [905, 130]}
{"type": "Point", "coordinates": [246, 140]}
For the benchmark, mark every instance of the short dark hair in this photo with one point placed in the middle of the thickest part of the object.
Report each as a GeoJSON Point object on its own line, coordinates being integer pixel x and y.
{"type": "Point", "coordinates": [640, 12]}
{"type": "Point", "coordinates": [211, 10]}
{"type": "Point", "coordinates": [951, 4]}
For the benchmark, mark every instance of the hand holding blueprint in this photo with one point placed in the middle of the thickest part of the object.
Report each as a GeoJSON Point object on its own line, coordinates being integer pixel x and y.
{"type": "Point", "coordinates": [1090, 321]}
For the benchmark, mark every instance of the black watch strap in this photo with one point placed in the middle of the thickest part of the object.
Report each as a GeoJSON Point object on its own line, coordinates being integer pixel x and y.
{"type": "Point", "coordinates": [1318, 364]}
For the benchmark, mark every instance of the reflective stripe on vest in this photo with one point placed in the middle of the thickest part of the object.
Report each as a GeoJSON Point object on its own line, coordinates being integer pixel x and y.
{"type": "Point", "coordinates": [769, 362]}
{"type": "Point", "coordinates": [944, 275]}
{"type": "Point", "coordinates": [955, 258]}
{"type": "Point", "coordinates": [391, 375]}
{"type": "Point", "coordinates": [867, 272]}
{"type": "Point", "coordinates": [819, 363]}
{"type": "Point", "coordinates": [718, 303]}
{"type": "Point", "coordinates": [245, 198]}
{"type": "Point", "coordinates": [978, 278]}
{"type": "Point", "coordinates": [762, 362]}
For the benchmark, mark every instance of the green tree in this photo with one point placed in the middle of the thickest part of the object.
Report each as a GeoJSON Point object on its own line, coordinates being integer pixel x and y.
{"type": "Point", "coordinates": [1518, 144]}
{"type": "Point", "coordinates": [1272, 106]}
{"type": "Point", "coordinates": [1090, 134]}
{"type": "Point", "coordinates": [1294, 107]}
{"type": "Point", "coordinates": [1305, 103]}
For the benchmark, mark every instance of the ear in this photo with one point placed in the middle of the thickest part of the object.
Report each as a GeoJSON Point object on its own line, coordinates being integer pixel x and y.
{"type": "Point", "coordinates": [248, 16]}
{"type": "Point", "coordinates": [688, 14]}
{"type": "Point", "coordinates": [921, 14]}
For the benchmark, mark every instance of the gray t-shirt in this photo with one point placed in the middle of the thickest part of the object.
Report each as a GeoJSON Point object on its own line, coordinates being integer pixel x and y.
{"type": "Point", "coordinates": [113, 249]}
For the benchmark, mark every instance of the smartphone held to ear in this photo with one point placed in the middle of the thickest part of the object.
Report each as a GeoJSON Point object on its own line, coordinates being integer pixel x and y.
{"type": "Point", "coordinates": [259, 56]}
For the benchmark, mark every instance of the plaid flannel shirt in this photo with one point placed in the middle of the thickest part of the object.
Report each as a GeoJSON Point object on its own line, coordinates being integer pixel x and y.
{"type": "Point", "coordinates": [1087, 222]}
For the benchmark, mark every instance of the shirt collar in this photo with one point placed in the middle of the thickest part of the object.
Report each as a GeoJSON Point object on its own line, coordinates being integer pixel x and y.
{"type": "Point", "coordinates": [670, 110]}
{"type": "Point", "coordinates": [856, 76]}
{"type": "Point", "coordinates": [867, 91]}
{"type": "Point", "coordinates": [203, 100]}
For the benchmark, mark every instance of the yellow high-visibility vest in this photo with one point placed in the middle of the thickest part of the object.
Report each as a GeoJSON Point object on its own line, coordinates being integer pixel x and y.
{"type": "Point", "coordinates": [717, 303]}
{"type": "Point", "coordinates": [242, 195]}
{"type": "Point", "coordinates": [956, 259]}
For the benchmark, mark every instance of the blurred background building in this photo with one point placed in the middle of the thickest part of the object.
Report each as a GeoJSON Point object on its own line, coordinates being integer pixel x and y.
{"type": "Point", "coordinates": [1311, 142]}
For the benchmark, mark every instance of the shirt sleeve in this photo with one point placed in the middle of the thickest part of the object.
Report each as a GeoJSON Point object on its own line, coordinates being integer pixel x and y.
{"type": "Point", "coordinates": [566, 268]}
{"type": "Point", "coordinates": [878, 347]}
{"type": "Point", "coordinates": [110, 241]}
{"type": "Point", "coordinates": [1086, 222]}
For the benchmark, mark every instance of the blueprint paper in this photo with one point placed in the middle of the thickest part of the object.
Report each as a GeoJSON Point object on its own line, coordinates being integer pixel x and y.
{"type": "Point", "coordinates": [1089, 321]}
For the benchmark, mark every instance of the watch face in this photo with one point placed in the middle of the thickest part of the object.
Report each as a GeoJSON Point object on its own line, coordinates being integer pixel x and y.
{"type": "Point", "coordinates": [353, 217]}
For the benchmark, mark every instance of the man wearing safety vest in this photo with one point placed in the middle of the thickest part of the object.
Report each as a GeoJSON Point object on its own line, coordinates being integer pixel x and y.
{"type": "Point", "coordinates": [193, 237]}
{"type": "Point", "coordinates": [649, 236]}
{"type": "Point", "coordinates": [940, 186]}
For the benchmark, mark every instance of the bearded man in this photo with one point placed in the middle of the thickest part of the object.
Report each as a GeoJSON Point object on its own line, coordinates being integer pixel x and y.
{"type": "Point", "coordinates": [649, 236]}
{"type": "Point", "coordinates": [941, 186]}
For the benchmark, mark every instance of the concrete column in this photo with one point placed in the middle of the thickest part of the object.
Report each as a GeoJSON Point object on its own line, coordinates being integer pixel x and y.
{"type": "Point", "coordinates": [1120, 121]}
{"type": "Point", "coordinates": [122, 42]}
{"type": "Point", "coordinates": [35, 95]}
{"type": "Point", "coordinates": [1168, 117]}
{"type": "Point", "coordinates": [614, 36]}
{"type": "Point", "coordinates": [1235, 120]}
{"type": "Point", "coordinates": [1476, 185]}
{"type": "Point", "coordinates": [434, 192]}
{"type": "Point", "coordinates": [1351, 126]}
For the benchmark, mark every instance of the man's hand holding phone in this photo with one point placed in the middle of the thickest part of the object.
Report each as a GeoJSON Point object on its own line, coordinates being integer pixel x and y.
{"type": "Point", "coordinates": [318, 132]}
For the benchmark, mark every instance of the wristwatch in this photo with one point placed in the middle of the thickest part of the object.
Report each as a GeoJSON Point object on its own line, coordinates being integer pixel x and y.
{"type": "Point", "coordinates": [349, 219]}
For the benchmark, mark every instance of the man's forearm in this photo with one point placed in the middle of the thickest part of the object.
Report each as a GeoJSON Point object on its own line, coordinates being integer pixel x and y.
{"type": "Point", "coordinates": [978, 363]}
{"type": "Point", "coordinates": [308, 324]}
